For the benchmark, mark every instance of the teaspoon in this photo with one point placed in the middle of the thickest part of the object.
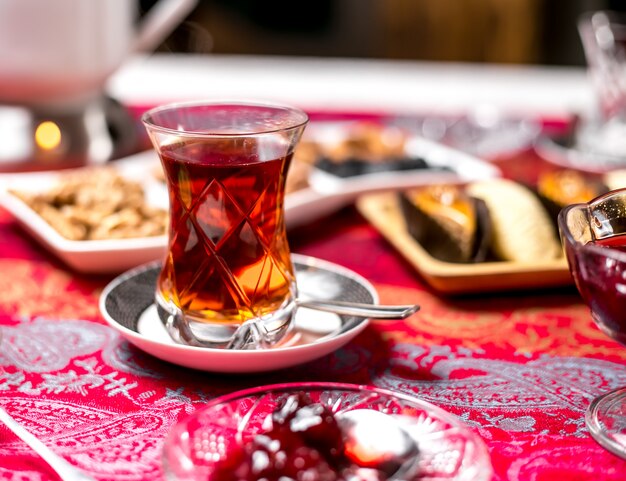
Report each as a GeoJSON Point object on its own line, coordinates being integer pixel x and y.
{"type": "Point", "coordinates": [376, 440]}
{"type": "Point", "coordinates": [373, 311]}
{"type": "Point", "coordinates": [251, 334]}
{"type": "Point", "coordinates": [65, 470]}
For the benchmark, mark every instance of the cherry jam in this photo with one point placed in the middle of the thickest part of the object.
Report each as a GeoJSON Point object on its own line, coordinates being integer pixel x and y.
{"type": "Point", "coordinates": [305, 443]}
{"type": "Point", "coordinates": [601, 280]}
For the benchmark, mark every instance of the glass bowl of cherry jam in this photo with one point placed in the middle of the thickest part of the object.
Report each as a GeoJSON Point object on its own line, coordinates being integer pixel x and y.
{"type": "Point", "coordinates": [594, 239]}
{"type": "Point", "coordinates": [306, 432]}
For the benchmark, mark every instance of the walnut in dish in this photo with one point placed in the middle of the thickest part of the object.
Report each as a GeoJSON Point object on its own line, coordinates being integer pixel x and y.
{"type": "Point", "coordinates": [97, 204]}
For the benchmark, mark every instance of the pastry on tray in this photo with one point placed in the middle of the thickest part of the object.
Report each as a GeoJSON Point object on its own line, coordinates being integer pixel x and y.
{"type": "Point", "coordinates": [522, 228]}
{"type": "Point", "coordinates": [491, 220]}
{"type": "Point", "coordinates": [447, 222]}
{"type": "Point", "coordinates": [559, 188]}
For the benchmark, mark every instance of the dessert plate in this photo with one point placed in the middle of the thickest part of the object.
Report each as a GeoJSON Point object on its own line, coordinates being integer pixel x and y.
{"type": "Point", "coordinates": [445, 165]}
{"type": "Point", "coordinates": [93, 256]}
{"type": "Point", "coordinates": [384, 213]}
{"type": "Point", "coordinates": [127, 304]}
{"type": "Point", "coordinates": [447, 448]}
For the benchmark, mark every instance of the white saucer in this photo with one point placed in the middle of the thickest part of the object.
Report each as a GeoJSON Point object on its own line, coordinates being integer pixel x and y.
{"type": "Point", "coordinates": [127, 304]}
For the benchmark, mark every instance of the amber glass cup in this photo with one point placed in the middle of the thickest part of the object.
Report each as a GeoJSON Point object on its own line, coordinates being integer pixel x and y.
{"type": "Point", "coordinates": [227, 280]}
{"type": "Point", "coordinates": [594, 237]}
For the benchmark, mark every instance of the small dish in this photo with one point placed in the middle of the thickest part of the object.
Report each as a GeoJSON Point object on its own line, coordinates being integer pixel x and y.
{"type": "Point", "coordinates": [447, 165]}
{"type": "Point", "coordinates": [384, 213]}
{"type": "Point", "coordinates": [307, 205]}
{"type": "Point", "coordinates": [117, 255]}
{"type": "Point", "coordinates": [93, 256]}
{"type": "Point", "coordinates": [127, 304]}
{"type": "Point", "coordinates": [448, 449]}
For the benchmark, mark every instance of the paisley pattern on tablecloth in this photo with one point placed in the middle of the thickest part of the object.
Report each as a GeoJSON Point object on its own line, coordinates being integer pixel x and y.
{"type": "Point", "coordinates": [555, 326]}
{"type": "Point", "coordinates": [43, 346]}
{"type": "Point", "coordinates": [104, 442]}
{"type": "Point", "coordinates": [48, 386]}
{"type": "Point", "coordinates": [547, 394]}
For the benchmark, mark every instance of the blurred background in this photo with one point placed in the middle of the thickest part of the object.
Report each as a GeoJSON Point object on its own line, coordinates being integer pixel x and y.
{"type": "Point", "coordinates": [493, 31]}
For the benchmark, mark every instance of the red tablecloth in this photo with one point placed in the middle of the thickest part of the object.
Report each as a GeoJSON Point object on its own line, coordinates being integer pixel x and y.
{"type": "Point", "coordinates": [519, 368]}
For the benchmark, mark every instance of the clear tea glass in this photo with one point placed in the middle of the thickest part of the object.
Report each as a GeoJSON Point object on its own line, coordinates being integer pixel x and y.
{"type": "Point", "coordinates": [594, 238]}
{"type": "Point", "coordinates": [603, 133]}
{"type": "Point", "coordinates": [227, 280]}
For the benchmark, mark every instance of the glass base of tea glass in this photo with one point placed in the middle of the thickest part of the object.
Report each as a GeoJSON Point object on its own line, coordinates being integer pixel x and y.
{"type": "Point", "coordinates": [260, 333]}
{"type": "Point", "coordinates": [606, 420]}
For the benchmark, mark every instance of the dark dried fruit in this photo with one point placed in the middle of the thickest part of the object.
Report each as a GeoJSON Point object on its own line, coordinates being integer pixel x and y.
{"type": "Point", "coordinates": [356, 166]}
{"type": "Point", "coordinates": [450, 225]}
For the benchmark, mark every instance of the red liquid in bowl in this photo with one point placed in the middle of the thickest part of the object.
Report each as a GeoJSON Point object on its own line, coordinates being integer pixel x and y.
{"type": "Point", "coordinates": [617, 242]}
{"type": "Point", "coordinates": [601, 280]}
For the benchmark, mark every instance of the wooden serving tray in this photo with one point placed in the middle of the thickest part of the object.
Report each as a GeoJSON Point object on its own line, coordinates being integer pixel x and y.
{"type": "Point", "coordinates": [383, 212]}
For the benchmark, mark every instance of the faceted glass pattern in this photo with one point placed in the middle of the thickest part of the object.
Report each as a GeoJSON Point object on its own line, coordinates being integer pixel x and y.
{"type": "Point", "coordinates": [228, 261]}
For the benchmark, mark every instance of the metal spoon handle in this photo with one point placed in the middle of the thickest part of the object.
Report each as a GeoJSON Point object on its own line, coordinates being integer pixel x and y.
{"type": "Point", "coordinates": [361, 310]}
{"type": "Point", "coordinates": [65, 470]}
